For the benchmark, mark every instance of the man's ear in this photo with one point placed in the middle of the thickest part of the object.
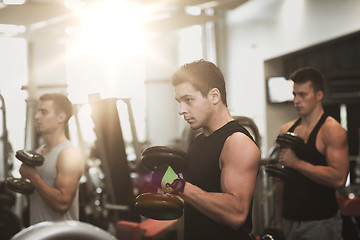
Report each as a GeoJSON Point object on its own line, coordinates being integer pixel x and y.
{"type": "Point", "coordinates": [61, 117]}
{"type": "Point", "coordinates": [215, 95]}
{"type": "Point", "coordinates": [319, 95]}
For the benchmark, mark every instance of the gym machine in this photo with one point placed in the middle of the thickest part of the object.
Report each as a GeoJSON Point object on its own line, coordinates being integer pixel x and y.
{"type": "Point", "coordinates": [5, 147]}
{"type": "Point", "coordinates": [9, 222]}
{"type": "Point", "coordinates": [106, 191]}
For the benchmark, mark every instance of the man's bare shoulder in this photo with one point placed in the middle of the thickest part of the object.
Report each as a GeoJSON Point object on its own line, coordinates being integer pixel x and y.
{"type": "Point", "coordinates": [71, 156]}
{"type": "Point", "coordinates": [72, 152]}
{"type": "Point", "coordinates": [240, 137]}
{"type": "Point", "coordinates": [239, 142]}
{"type": "Point", "coordinates": [332, 129]}
{"type": "Point", "coordinates": [285, 127]}
{"type": "Point", "coordinates": [240, 154]}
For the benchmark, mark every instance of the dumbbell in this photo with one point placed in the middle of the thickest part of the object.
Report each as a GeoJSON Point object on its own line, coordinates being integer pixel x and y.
{"type": "Point", "coordinates": [23, 185]}
{"type": "Point", "coordinates": [277, 170]}
{"type": "Point", "coordinates": [272, 234]}
{"type": "Point", "coordinates": [159, 205]}
{"type": "Point", "coordinates": [291, 140]}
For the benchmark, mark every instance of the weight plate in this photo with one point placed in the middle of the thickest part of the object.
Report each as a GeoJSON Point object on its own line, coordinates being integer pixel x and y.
{"type": "Point", "coordinates": [161, 155]}
{"type": "Point", "coordinates": [28, 157]}
{"type": "Point", "coordinates": [284, 173]}
{"type": "Point", "coordinates": [159, 206]}
{"type": "Point", "coordinates": [291, 140]}
{"type": "Point", "coordinates": [20, 185]}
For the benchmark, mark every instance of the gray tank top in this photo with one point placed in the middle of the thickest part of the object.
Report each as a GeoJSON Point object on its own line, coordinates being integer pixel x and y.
{"type": "Point", "coordinates": [39, 210]}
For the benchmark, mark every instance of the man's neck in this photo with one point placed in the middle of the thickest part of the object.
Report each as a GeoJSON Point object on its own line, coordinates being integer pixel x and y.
{"type": "Point", "coordinates": [313, 118]}
{"type": "Point", "coordinates": [54, 139]}
{"type": "Point", "coordinates": [217, 120]}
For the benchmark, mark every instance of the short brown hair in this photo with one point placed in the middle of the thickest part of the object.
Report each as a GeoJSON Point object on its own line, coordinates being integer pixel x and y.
{"type": "Point", "coordinates": [311, 74]}
{"type": "Point", "coordinates": [61, 103]}
{"type": "Point", "coordinates": [203, 76]}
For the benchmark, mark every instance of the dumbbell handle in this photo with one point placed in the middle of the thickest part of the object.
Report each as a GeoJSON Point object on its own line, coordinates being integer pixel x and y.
{"type": "Point", "coordinates": [30, 154]}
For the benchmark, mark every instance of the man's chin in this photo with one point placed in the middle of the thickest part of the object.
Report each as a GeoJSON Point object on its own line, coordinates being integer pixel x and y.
{"type": "Point", "coordinates": [300, 113]}
{"type": "Point", "coordinates": [39, 131]}
{"type": "Point", "coordinates": [194, 126]}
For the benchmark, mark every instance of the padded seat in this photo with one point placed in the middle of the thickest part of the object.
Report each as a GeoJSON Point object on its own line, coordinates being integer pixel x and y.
{"type": "Point", "coordinates": [350, 208]}
{"type": "Point", "coordinates": [148, 229]}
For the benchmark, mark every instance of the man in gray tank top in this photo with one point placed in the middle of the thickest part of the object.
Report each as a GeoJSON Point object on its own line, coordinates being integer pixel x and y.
{"type": "Point", "coordinates": [56, 182]}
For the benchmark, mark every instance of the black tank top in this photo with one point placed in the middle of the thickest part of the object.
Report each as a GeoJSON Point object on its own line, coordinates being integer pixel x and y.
{"type": "Point", "coordinates": [306, 200]}
{"type": "Point", "coordinates": [204, 172]}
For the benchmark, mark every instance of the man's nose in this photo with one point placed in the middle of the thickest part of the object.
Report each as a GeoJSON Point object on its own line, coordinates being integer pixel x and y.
{"type": "Point", "coordinates": [296, 99]}
{"type": "Point", "coordinates": [182, 109]}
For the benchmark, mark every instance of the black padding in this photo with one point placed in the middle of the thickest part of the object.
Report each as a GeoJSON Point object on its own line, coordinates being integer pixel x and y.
{"type": "Point", "coordinates": [163, 155]}
{"type": "Point", "coordinates": [159, 206]}
{"type": "Point", "coordinates": [20, 185]}
{"type": "Point", "coordinates": [30, 158]}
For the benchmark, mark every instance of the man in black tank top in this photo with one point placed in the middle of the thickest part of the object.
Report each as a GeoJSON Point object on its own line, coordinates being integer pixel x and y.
{"type": "Point", "coordinates": [308, 207]}
{"type": "Point", "coordinates": [224, 159]}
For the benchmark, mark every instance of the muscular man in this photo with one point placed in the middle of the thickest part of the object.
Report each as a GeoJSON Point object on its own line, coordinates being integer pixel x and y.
{"type": "Point", "coordinates": [308, 208]}
{"type": "Point", "coordinates": [56, 181]}
{"type": "Point", "coordinates": [224, 159]}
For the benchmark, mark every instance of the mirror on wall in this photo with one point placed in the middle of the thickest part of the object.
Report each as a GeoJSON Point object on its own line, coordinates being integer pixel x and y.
{"type": "Point", "coordinates": [279, 90]}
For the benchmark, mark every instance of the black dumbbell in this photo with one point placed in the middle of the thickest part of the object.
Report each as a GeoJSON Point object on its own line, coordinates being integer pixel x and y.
{"type": "Point", "coordinates": [161, 206]}
{"type": "Point", "coordinates": [291, 140]}
{"type": "Point", "coordinates": [23, 185]}
{"type": "Point", "coordinates": [153, 157]}
{"type": "Point", "coordinates": [277, 170]}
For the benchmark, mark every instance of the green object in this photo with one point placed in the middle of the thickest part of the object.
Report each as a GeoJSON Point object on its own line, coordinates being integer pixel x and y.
{"type": "Point", "coordinates": [168, 178]}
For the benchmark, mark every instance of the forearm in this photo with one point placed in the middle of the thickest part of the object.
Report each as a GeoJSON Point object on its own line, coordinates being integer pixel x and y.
{"type": "Point", "coordinates": [56, 199]}
{"type": "Point", "coordinates": [324, 175]}
{"type": "Point", "coordinates": [223, 208]}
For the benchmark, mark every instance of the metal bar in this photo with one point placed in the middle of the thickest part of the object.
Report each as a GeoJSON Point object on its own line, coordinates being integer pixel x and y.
{"type": "Point", "coordinates": [135, 140]}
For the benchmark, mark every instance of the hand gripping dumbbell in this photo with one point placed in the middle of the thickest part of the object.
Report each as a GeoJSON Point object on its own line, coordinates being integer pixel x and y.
{"type": "Point", "coordinates": [23, 185]}
{"type": "Point", "coordinates": [167, 165]}
{"type": "Point", "coordinates": [275, 168]}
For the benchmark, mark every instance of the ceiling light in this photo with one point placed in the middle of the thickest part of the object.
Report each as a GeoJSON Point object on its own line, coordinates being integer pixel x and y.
{"type": "Point", "coordinates": [14, 2]}
{"type": "Point", "coordinates": [13, 29]}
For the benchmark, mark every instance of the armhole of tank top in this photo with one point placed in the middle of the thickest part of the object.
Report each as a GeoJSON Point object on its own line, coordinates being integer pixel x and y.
{"type": "Point", "coordinates": [296, 123]}
{"type": "Point", "coordinates": [312, 137]}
